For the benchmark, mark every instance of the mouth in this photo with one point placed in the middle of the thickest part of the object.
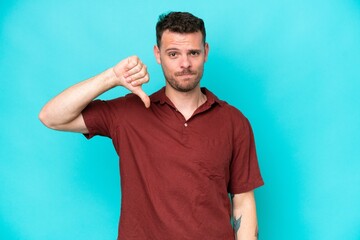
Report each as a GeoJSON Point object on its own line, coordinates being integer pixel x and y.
{"type": "Point", "coordinates": [185, 73]}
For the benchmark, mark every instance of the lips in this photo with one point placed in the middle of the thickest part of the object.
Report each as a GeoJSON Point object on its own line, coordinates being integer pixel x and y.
{"type": "Point", "coordinates": [185, 73]}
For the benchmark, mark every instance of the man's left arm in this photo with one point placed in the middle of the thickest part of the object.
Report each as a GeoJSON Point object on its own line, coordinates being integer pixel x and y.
{"type": "Point", "coordinates": [244, 216]}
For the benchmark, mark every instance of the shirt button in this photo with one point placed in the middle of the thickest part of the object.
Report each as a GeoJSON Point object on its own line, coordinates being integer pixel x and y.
{"type": "Point", "coordinates": [185, 124]}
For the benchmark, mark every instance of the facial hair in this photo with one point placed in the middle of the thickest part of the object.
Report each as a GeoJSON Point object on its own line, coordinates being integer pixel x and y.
{"type": "Point", "coordinates": [180, 85]}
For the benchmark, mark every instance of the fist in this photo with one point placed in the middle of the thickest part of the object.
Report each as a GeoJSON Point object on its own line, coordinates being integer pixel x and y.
{"type": "Point", "coordinates": [131, 73]}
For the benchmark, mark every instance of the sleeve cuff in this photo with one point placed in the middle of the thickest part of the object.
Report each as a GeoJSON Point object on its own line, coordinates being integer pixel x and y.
{"type": "Point", "coordinates": [246, 187]}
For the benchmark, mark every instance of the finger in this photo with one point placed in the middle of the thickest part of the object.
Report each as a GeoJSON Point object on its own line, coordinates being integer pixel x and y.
{"type": "Point", "coordinates": [132, 62]}
{"type": "Point", "coordinates": [139, 82]}
{"type": "Point", "coordinates": [144, 97]}
{"type": "Point", "coordinates": [137, 70]}
{"type": "Point", "coordinates": [133, 65]}
{"type": "Point", "coordinates": [138, 78]}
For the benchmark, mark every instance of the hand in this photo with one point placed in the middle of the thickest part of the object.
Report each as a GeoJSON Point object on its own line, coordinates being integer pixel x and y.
{"type": "Point", "coordinates": [131, 73]}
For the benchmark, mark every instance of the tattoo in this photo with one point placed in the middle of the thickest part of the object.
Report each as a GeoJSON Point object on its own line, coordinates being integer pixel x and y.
{"type": "Point", "coordinates": [237, 223]}
{"type": "Point", "coordinates": [257, 233]}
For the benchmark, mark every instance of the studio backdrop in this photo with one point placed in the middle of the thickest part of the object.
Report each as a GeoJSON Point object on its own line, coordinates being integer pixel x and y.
{"type": "Point", "coordinates": [292, 67]}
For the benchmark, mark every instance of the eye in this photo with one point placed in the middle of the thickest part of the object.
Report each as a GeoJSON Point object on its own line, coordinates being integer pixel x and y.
{"type": "Point", "coordinates": [194, 53]}
{"type": "Point", "coordinates": [172, 54]}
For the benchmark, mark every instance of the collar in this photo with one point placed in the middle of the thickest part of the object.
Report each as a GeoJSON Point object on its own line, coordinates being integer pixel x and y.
{"type": "Point", "coordinates": [160, 97]}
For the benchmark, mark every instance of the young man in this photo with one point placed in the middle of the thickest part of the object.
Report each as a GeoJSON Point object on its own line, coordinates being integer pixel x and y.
{"type": "Point", "coordinates": [181, 153]}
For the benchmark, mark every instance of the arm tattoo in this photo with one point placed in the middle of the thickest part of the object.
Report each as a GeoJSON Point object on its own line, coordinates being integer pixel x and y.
{"type": "Point", "coordinates": [237, 223]}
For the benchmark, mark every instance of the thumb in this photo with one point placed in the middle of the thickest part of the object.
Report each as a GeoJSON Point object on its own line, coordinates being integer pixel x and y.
{"type": "Point", "coordinates": [144, 97]}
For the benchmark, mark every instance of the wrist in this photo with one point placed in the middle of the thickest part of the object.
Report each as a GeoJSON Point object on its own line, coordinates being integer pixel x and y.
{"type": "Point", "coordinates": [110, 79]}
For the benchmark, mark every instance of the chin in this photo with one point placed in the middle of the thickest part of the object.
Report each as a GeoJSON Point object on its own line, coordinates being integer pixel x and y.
{"type": "Point", "coordinates": [187, 88]}
{"type": "Point", "coordinates": [184, 83]}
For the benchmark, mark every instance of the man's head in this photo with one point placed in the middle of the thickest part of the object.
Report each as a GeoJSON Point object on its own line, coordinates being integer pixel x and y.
{"type": "Point", "coordinates": [181, 50]}
{"type": "Point", "coordinates": [179, 22]}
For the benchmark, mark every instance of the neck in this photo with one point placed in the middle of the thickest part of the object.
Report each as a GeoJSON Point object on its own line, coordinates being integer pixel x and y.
{"type": "Point", "coordinates": [186, 102]}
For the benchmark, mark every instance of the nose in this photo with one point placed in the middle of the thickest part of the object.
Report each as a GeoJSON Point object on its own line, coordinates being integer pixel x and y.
{"type": "Point", "coordinates": [185, 62]}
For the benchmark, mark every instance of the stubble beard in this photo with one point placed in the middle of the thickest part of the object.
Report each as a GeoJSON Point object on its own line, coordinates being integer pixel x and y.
{"type": "Point", "coordinates": [186, 84]}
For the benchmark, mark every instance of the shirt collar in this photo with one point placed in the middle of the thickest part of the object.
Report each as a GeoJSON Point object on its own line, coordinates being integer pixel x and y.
{"type": "Point", "coordinates": [160, 97]}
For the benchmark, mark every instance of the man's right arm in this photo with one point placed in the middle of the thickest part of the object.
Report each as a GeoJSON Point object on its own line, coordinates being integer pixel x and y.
{"type": "Point", "coordinates": [63, 112]}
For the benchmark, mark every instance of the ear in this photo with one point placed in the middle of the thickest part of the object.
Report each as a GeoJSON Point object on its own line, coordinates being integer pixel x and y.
{"type": "Point", "coordinates": [207, 49]}
{"type": "Point", "coordinates": [157, 54]}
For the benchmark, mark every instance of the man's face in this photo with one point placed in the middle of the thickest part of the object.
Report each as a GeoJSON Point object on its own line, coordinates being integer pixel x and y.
{"type": "Point", "coordinates": [182, 57]}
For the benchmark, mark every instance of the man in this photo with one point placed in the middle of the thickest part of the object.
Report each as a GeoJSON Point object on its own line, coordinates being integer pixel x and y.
{"type": "Point", "coordinates": [181, 153]}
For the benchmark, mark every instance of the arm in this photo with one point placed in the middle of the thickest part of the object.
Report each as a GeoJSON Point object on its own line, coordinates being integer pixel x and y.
{"type": "Point", "coordinates": [244, 216]}
{"type": "Point", "coordinates": [63, 112]}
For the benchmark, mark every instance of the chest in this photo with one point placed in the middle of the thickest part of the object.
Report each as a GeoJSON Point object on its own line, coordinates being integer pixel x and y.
{"type": "Point", "coordinates": [167, 143]}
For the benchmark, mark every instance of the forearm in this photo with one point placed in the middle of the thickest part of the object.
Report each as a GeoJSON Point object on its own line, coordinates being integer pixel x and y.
{"type": "Point", "coordinates": [69, 104]}
{"type": "Point", "coordinates": [63, 112]}
{"type": "Point", "coordinates": [244, 216]}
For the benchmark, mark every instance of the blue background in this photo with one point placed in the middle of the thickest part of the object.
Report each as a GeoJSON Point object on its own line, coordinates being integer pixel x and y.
{"type": "Point", "coordinates": [291, 67]}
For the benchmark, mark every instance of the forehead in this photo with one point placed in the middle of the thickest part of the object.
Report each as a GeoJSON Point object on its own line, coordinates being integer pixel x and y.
{"type": "Point", "coordinates": [181, 40]}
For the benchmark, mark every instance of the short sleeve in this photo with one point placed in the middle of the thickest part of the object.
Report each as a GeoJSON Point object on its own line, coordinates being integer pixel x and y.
{"type": "Point", "coordinates": [98, 118]}
{"type": "Point", "coordinates": [244, 168]}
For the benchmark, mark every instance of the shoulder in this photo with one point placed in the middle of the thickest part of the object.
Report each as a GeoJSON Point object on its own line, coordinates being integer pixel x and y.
{"type": "Point", "coordinates": [114, 107]}
{"type": "Point", "coordinates": [235, 115]}
{"type": "Point", "coordinates": [121, 102]}
{"type": "Point", "coordinates": [228, 111]}
{"type": "Point", "coordinates": [225, 106]}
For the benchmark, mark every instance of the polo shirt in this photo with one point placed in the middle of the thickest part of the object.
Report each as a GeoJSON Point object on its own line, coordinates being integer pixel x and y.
{"type": "Point", "coordinates": [176, 173]}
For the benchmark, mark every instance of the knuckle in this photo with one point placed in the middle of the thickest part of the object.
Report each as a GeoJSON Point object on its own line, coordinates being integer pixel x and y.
{"type": "Point", "coordinates": [137, 68]}
{"type": "Point", "coordinates": [134, 60]}
{"type": "Point", "coordinates": [147, 78]}
{"type": "Point", "coordinates": [134, 57]}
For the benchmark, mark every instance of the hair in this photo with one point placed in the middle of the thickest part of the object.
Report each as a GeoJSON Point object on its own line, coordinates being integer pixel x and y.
{"type": "Point", "coordinates": [179, 22]}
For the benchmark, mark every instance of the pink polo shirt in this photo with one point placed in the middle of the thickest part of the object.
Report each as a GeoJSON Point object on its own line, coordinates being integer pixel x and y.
{"type": "Point", "coordinates": [176, 174]}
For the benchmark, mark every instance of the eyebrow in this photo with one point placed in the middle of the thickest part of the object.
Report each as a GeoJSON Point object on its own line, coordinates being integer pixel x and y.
{"type": "Point", "coordinates": [171, 49]}
{"type": "Point", "coordinates": [176, 49]}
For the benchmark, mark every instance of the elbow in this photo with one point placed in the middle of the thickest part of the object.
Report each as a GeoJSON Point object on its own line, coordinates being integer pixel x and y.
{"type": "Point", "coordinates": [46, 119]}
